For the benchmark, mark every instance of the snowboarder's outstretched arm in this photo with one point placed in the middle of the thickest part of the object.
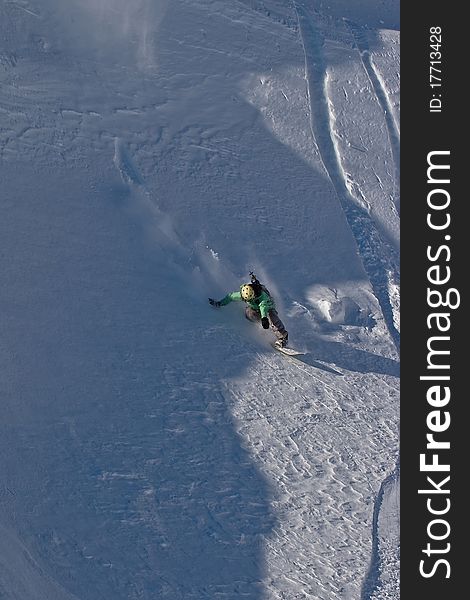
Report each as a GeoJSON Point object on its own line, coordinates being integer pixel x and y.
{"type": "Point", "coordinates": [231, 297]}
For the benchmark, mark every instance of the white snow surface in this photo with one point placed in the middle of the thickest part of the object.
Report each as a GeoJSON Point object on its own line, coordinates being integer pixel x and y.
{"type": "Point", "coordinates": [153, 153]}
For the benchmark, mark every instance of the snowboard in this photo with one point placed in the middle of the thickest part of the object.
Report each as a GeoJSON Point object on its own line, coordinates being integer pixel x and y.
{"type": "Point", "coordinates": [288, 351]}
{"type": "Point", "coordinates": [313, 363]}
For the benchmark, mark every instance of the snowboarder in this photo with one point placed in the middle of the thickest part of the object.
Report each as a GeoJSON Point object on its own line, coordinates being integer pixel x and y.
{"type": "Point", "coordinates": [260, 307]}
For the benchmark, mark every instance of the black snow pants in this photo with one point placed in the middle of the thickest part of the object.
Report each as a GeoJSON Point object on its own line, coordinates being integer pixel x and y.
{"type": "Point", "coordinates": [276, 324]}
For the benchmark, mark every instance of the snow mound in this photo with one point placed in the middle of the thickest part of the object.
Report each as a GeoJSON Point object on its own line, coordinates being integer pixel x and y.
{"type": "Point", "coordinates": [337, 307]}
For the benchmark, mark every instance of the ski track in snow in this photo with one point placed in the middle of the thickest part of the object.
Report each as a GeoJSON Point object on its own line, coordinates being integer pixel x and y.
{"type": "Point", "coordinates": [378, 582]}
{"type": "Point", "coordinates": [383, 98]}
{"type": "Point", "coordinates": [377, 255]}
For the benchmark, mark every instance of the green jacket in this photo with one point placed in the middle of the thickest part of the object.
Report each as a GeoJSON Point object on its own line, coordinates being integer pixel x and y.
{"type": "Point", "coordinates": [263, 303]}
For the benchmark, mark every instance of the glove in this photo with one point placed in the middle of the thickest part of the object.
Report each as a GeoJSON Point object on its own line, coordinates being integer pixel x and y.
{"type": "Point", "coordinates": [214, 302]}
{"type": "Point", "coordinates": [265, 322]}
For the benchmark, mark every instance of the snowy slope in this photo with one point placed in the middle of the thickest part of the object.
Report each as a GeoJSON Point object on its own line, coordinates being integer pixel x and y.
{"type": "Point", "coordinates": [151, 156]}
